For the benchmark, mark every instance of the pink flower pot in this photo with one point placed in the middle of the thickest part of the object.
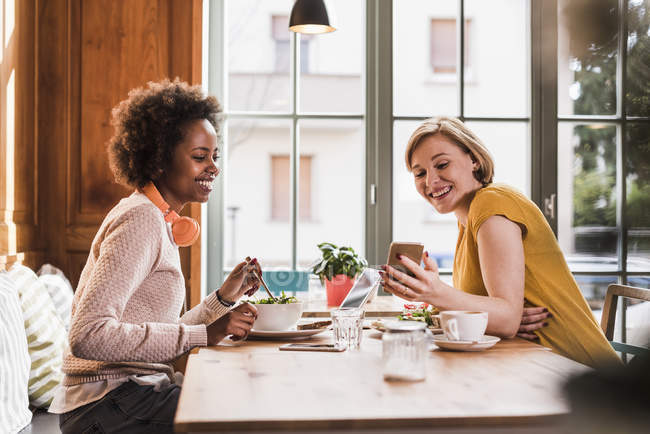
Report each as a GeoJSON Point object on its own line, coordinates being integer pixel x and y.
{"type": "Point", "coordinates": [338, 288]}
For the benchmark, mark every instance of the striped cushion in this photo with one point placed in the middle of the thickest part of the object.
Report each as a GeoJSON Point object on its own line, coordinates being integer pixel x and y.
{"type": "Point", "coordinates": [14, 361]}
{"type": "Point", "coordinates": [46, 336]}
{"type": "Point", "coordinates": [61, 294]}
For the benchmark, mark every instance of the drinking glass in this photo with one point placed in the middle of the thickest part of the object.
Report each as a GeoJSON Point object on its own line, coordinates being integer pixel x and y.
{"type": "Point", "coordinates": [348, 327]}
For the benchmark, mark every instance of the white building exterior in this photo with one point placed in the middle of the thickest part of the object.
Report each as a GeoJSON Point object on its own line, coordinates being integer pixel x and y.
{"type": "Point", "coordinates": [497, 84]}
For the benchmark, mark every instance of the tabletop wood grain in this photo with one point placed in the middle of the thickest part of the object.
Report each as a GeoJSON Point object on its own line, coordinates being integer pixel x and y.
{"type": "Point", "coordinates": [253, 386]}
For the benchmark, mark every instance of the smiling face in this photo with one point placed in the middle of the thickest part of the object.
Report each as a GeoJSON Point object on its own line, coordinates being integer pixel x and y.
{"type": "Point", "coordinates": [193, 168]}
{"type": "Point", "coordinates": [444, 175]}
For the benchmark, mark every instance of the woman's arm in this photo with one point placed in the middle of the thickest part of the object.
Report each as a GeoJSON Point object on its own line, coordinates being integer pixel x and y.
{"type": "Point", "coordinates": [501, 255]}
{"type": "Point", "coordinates": [240, 281]}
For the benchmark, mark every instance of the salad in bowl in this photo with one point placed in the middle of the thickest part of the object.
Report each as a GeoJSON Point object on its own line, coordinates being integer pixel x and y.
{"type": "Point", "coordinates": [276, 314]}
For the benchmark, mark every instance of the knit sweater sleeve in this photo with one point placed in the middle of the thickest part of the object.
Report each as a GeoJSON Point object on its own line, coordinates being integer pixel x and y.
{"type": "Point", "coordinates": [129, 251]}
{"type": "Point", "coordinates": [209, 310]}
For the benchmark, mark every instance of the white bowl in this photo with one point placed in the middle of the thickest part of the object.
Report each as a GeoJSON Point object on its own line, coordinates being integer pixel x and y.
{"type": "Point", "coordinates": [275, 317]}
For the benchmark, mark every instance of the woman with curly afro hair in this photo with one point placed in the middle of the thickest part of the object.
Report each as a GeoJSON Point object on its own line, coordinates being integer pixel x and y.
{"type": "Point", "coordinates": [126, 328]}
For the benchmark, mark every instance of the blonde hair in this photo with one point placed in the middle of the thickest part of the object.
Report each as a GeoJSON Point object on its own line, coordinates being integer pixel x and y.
{"type": "Point", "coordinates": [462, 136]}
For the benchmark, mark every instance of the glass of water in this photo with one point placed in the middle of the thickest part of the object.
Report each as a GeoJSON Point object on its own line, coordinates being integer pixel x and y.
{"type": "Point", "coordinates": [347, 323]}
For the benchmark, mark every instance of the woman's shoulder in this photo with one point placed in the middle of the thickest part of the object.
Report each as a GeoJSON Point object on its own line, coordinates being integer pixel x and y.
{"type": "Point", "coordinates": [497, 191]}
{"type": "Point", "coordinates": [498, 199]}
{"type": "Point", "coordinates": [497, 195]}
{"type": "Point", "coordinates": [135, 209]}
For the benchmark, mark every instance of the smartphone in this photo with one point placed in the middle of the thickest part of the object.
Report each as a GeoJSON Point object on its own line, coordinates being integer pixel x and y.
{"type": "Point", "coordinates": [410, 250]}
{"type": "Point", "coordinates": [332, 348]}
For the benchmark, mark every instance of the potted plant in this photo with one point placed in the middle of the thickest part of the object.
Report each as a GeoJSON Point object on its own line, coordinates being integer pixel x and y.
{"type": "Point", "coordinates": [337, 269]}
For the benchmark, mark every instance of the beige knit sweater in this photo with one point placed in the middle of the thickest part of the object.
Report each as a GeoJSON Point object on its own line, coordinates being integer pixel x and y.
{"type": "Point", "coordinates": [125, 313]}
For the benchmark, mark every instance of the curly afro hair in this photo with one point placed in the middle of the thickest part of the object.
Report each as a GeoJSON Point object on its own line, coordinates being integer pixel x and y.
{"type": "Point", "coordinates": [150, 123]}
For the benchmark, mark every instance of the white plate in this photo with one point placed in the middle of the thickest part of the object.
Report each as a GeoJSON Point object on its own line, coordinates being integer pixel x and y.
{"type": "Point", "coordinates": [484, 343]}
{"type": "Point", "coordinates": [283, 334]}
{"type": "Point", "coordinates": [381, 327]}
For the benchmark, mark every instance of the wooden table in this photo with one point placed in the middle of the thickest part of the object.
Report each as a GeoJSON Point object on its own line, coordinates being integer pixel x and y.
{"type": "Point", "coordinates": [252, 386]}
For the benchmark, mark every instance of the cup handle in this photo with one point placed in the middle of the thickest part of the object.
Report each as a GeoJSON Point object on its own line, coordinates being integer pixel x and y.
{"type": "Point", "coordinates": [451, 329]}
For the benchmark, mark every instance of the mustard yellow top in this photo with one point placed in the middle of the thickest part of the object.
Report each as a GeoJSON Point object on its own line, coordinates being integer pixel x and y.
{"type": "Point", "coordinates": [572, 331]}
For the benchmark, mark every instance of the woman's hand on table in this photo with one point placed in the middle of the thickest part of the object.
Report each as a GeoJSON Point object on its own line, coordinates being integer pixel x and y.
{"type": "Point", "coordinates": [533, 318]}
{"type": "Point", "coordinates": [240, 281]}
{"type": "Point", "coordinates": [236, 323]}
{"type": "Point", "coordinates": [423, 287]}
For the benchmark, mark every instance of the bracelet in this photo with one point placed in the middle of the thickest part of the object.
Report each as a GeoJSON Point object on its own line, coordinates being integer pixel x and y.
{"type": "Point", "coordinates": [224, 302]}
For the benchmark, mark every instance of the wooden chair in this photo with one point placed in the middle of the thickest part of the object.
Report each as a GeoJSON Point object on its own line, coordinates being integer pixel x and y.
{"type": "Point", "coordinates": [609, 316]}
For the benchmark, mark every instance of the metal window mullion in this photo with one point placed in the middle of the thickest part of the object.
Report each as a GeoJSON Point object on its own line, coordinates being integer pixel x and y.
{"type": "Point", "coordinates": [267, 115]}
{"type": "Point", "coordinates": [467, 118]}
{"type": "Point", "coordinates": [621, 203]}
{"type": "Point", "coordinates": [544, 119]}
{"type": "Point", "coordinates": [379, 129]}
{"type": "Point", "coordinates": [460, 56]}
{"type": "Point", "coordinates": [294, 155]}
{"type": "Point", "coordinates": [217, 85]}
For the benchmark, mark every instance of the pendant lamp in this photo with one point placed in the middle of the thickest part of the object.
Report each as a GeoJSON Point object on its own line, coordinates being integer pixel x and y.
{"type": "Point", "coordinates": [310, 17]}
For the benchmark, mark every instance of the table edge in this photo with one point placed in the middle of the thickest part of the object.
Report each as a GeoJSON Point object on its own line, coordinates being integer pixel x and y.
{"type": "Point", "coordinates": [388, 423]}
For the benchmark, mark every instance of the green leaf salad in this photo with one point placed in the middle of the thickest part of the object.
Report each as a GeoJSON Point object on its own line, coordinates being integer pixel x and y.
{"type": "Point", "coordinates": [283, 299]}
{"type": "Point", "coordinates": [420, 312]}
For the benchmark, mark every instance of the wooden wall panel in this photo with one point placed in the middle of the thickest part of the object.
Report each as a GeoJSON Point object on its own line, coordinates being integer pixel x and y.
{"type": "Point", "coordinates": [123, 45]}
{"type": "Point", "coordinates": [18, 148]}
{"type": "Point", "coordinates": [92, 53]}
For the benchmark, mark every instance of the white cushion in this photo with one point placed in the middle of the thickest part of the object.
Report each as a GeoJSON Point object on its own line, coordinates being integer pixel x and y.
{"type": "Point", "coordinates": [46, 335]}
{"type": "Point", "coordinates": [61, 294]}
{"type": "Point", "coordinates": [14, 361]}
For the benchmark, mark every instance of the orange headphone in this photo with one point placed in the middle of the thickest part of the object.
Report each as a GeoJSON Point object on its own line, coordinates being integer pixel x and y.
{"type": "Point", "coordinates": [185, 230]}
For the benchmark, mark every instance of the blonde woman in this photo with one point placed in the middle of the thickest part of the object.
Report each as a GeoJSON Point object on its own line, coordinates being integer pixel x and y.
{"type": "Point", "coordinates": [506, 252]}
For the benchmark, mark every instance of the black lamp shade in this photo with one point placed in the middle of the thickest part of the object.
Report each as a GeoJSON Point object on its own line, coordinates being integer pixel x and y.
{"type": "Point", "coordinates": [309, 16]}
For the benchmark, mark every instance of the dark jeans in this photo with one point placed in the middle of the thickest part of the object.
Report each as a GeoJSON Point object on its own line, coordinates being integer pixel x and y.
{"type": "Point", "coordinates": [130, 408]}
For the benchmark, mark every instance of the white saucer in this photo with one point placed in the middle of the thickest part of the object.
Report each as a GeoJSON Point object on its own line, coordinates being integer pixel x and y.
{"type": "Point", "coordinates": [484, 343]}
{"type": "Point", "coordinates": [283, 334]}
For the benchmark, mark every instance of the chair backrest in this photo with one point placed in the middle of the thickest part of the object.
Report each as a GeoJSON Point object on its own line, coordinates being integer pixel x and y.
{"type": "Point", "coordinates": [609, 315]}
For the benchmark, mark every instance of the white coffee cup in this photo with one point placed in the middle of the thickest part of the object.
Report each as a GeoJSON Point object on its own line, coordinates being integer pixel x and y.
{"type": "Point", "coordinates": [463, 325]}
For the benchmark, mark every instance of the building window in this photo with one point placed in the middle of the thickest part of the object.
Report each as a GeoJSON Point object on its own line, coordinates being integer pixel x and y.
{"type": "Point", "coordinates": [443, 45]}
{"type": "Point", "coordinates": [281, 186]}
{"type": "Point", "coordinates": [281, 33]}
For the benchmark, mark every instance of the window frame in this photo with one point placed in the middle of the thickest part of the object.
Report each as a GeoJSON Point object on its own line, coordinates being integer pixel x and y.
{"type": "Point", "coordinates": [543, 123]}
{"type": "Point", "coordinates": [217, 84]}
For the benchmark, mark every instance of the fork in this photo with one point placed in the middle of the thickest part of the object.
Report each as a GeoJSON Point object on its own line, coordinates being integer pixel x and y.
{"type": "Point", "coordinates": [261, 279]}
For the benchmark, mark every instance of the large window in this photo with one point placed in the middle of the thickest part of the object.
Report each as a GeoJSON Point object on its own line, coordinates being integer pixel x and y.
{"type": "Point", "coordinates": [493, 99]}
{"type": "Point", "coordinates": [294, 150]}
{"type": "Point", "coordinates": [603, 146]}
{"type": "Point", "coordinates": [569, 127]}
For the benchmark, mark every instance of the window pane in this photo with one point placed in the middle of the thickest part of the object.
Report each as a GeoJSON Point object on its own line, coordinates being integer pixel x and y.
{"type": "Point", "coordinates": [638, 59]}
{"type": "Point", "coordinates": [594, 289]}
{"type": "Point", "coordinates": [637, 315]}
{"type": "Point", "coordinates": [258, 55]}
{"type": "Point", "coordinates": [418, 88]}
{"type": "Point", "coordinates": [508, 142]}
{"type": "Point", "coordinates": [587, 56]}
{"type": "Point", "coordinates": [281, 188]}
{"type": "Point", "coordinates": [638, 197]}
{"type": "Point", "coordinates": [250, 204]}
{"type": "Point", "coordinates": [331, 64]}
{"type": "Point", "coordinates": [414, 219]}
{"type": "Point", "coordinates": [586, 201]}
{"type": "Point", "coordinates": [639, 282]}
{"type": "Point", "coordinates": [335, 186]}
{"type": "Point", "coordinates": [497, 68]}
